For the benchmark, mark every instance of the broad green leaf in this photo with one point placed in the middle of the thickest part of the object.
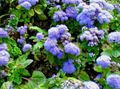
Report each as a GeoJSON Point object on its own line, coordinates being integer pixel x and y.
{"type": "Point", "coordinates": [38, 77]}
{"type": "Point", "coordinates": [84, 76]}
{"type": "Point", "coordinates": [31, 12]}
{"type": "Point", "coordinates": [98, 68]}
{"type": "Point", "coordinates": [26, 63]}
{"type": "Point", "coordinates": [116, 52]}
{"type": "Point", "coordinates": [38, 10]}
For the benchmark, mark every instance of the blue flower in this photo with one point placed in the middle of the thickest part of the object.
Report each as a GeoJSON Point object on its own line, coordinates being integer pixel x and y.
{"type": "Point", "coordinates": [114, 37]}
{"type": "Point", "coordinates": [60, 16]}
{"type": "Point", "coordinates": [50, 43]}
{"type": "Point", "coordinates": [21, 40]}
{"type": "Point", "coordinates": [33, 2]}
{"type": "Point", "coordinates": [22, 30]}
{"type": "Point", "coordinates": [4, 57]}
{"type": "Point", "coordinates": [70, 48]}
{"type": "Point", "coordinates": [71, 1]}
{"type": "Point", "coordinates": [27, 5]}
{"type": "Point", "coordinates": [3, 34]}
{"type": "Point", "coordinates": [3, 46]}
{"type": "Point", "coordinates": [39, 36]}
{"type": "Point", "coordinates": [3, 73]}
{"type": "Point", "coordinates": [90, 85]}
{"type": "Point", "coordinates": [103, 61]}
{"type": "Point", "coordinates": [53, 33]}
{"type": "Point", "coordinates": [68, 67]}
{"type": "Point", "coordinates": [26, 47]}
{"type": "Point", "coordinates": [62, 28]}
{"type": "Point", "coordinates": [113, 80]}
{"type": "Point", "coordinates": [71, 12]}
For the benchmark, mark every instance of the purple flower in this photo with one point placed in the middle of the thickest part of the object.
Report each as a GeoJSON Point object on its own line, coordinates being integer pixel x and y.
{"type": "Point", "coordinates": [26, 47]}
{"type": "Point", "coordinates": [104, 17]}
{"type": "Point", "coordinates": [114, 37]}
{"type": "Point", "coordinates": [53, 33]}
{"type": "Point", "coordinates": [70, 48]}
{"type": "Point", "coordinates": [103, 4]}
{"type": "Point", "coordinates": [27, 5]}
{"type": "Point", "coordinates": [3, 73]}
{"type": "Point", "coordinates": [22, 30]}
{"type": "Point", "coordinates": [103, 61]}
{"type": "Point", "coordinates": [4, 57]}
{"type": "Point", "coordinates": [39, 36]}
{"type": "Point", "coordinates": [90, 85]}
{"type": "Point", "coordinates": [68, 67]}
{"type": "Point", "coordinates": [3, 34]}
{"type": "Point", "coordinates": [60, 54]}
{"type": "Point", "coordinates": [62, 28]}
{"type": "Point", "coordinates": [98, 76]}
{"type": "Point", "coordinates": [21, 40]}
{"type": "Point", "coordinates": [93, 35]}
{"type": "Point", "coordinates": [71, 12]}
{"type": "Point", "coordinates": [60, 16]}
{"type": "Point", "coordinates": [21, 1]}
{"type": "Point", "coordinates": [50, 43]}
{"type": "Point", "coordinates": [3, 46]}
{"type": "Point", "coordinates": [72, 1]}
{"type": "Point", "coordinates": [113, 80]}
{"type": "Point", "coordinates": [33, 2]}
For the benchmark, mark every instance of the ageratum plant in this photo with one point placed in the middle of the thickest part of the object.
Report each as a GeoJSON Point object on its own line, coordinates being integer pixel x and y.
{"type": "Point", "coordinates": [59, 44]}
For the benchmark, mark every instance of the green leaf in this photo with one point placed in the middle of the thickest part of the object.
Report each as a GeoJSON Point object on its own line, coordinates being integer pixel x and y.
{"type": "Point", "coordinates": [84, 76]}
{"type": "Point", "coordinates": [116, 52]}
{"type": "Point", "coordinates": [6, 85]}
{"type": "Point", "coordinates": [26, 63]}
{"type": "Point", "coordinates": [24, 72]}
{"type": "Point", "coordinates": [38, 10]}
{"type": "Point", "coordinates": [38, 45]}
{"type": "Point", "coordinates": [98, 68]}
{"type": "Point", "coordinates": [38, 29]}
{"type": "Point", "coordinates": [38, 77]}
{"type": "Point", "coordinates": [17, 78]}
{"type": "Point", "coordinates": [31, 12]}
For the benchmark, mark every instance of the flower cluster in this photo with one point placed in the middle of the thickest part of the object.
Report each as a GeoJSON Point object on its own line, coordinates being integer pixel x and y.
{"type": "Point", "coordinates": [93, 35]}
{"type": "Point", "coordinates": [117, 7]}
{"type": "Point", "coordinates": [3, 33]}
{"type": "Point", "coordinates": [68, 67]}
{"type": "Point", "coordinates": [70, 12]}
{"type": "Point", "coordinates": [72, 1]}
{"type": "Point", "coordinates": [39, 36]}
{"type": "Point", "coordinates": [55, 34]}
{"type": "Point", "coordinates": [103, 61]}
{"type": "Point", "coordinates": [60, 16]}
{"type": "Point", "coordinates": [71, 48]}
{"type": "Point", "coordinates": [60, 34]}
{"type": "Point", "coordinates": [114, 37]}
{"type": "Point", "coordinates": [103, 4]}
{"type": "Point", "coordinates": [4, 55]}
{"type": "Point", "coordinates": [93, 12]}
{"type": "Point", "coordinates": [22, 30]}
{"type": "Point", "coordinates": [113, 80]}
{"type": "Point", "coordinates": [26, 47]}
{"type": "Point", "coordinates": [90, 85]}
{"type": "Point", "coordinates": [27, 4]}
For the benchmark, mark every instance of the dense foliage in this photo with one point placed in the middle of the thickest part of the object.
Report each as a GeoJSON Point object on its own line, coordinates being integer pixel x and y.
{"type": "Point", "coordinates": [59, 44]}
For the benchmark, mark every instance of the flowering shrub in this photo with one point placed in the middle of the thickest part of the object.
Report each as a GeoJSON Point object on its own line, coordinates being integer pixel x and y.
{"type": "Point", "coordinates": [59, 44]}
